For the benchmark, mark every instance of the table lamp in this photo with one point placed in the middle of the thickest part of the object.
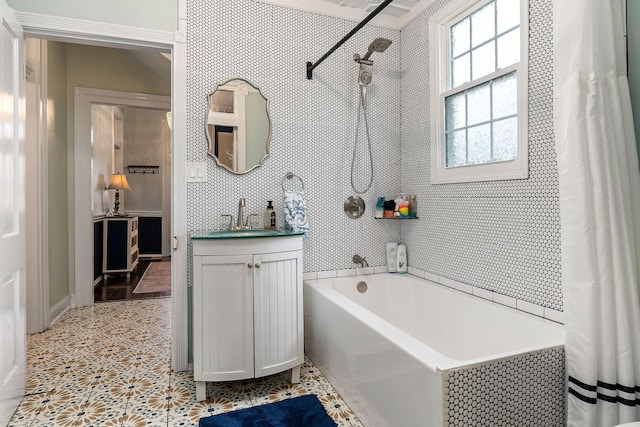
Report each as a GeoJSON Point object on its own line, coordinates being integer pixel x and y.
{"type": "Point", "coordinates": [118, 182]}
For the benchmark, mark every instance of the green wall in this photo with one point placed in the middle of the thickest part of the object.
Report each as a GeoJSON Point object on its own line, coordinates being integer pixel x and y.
{"type": "Point", "coordinates": [155, 14]}
{"type": "Point", "coordinates": [58, 203]}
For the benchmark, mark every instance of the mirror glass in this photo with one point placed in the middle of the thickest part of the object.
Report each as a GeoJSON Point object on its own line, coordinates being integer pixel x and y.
{"type": "Point", "coordinates": [238, 126]}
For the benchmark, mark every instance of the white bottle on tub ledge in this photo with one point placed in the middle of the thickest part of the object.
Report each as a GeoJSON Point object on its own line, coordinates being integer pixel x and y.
{"type": "Point", "coordinates": [392, 251]}
{"type": "Point", "coordinates": [401, 259]}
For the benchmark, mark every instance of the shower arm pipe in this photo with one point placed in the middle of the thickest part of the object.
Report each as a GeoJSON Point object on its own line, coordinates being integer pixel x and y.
{"type": "Point", "coordinates": [377, 10]}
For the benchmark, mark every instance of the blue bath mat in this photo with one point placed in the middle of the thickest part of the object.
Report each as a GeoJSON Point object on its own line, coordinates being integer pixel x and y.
{"type": "Point", "coordinates": [303, 411]}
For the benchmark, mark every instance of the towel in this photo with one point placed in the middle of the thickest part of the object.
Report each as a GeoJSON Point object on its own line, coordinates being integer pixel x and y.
{"type": "Point", "coordinates": [295, 212]}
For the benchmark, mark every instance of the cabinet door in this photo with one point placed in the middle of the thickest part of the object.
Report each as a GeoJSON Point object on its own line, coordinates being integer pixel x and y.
{"type": "Point", "coordinates": [116, 250]}
{"type": "Point", "coordinates": [223, 317]}
{"type": "Point", "coordinates": [279, 333]}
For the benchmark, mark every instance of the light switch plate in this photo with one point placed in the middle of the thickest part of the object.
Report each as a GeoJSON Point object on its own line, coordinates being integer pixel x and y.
{"type": "Point", "coordinates": [196, 172]}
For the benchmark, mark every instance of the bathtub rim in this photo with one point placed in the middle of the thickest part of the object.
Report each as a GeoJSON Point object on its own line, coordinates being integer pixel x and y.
{"type": "Point", "coordinates": [430, 357]}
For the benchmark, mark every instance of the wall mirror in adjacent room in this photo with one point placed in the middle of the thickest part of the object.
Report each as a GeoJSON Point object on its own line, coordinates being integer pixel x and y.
{"type": "Point", "coordinates": [238, 126]}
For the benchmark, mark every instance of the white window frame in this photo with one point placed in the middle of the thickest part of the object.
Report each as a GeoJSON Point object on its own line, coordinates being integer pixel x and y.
{"type": "Point", "coordinates": [439, 35]}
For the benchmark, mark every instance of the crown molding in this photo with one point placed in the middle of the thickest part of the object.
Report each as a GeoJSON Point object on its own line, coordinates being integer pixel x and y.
{"type": "Point", "coordinates": [65, 29]}
{"type": "Point", "coordinates": [353, 13]}
{"type": "Point", "coordinates": [416, 10]}
{"type": "Point", "coordinates": [334, 10]}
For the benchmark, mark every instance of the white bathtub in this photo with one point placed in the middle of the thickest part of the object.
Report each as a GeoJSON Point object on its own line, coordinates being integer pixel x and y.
{"type": "Point", "coordinates": [409, 352]}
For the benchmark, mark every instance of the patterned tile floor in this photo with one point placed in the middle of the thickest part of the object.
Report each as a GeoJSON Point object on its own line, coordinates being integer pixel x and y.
{"type": "Point", "coordinates": [109, 365]}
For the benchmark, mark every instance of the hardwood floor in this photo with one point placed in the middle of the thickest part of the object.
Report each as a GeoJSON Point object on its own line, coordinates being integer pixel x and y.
{"type": "Point", "coordinates": [119, 287]}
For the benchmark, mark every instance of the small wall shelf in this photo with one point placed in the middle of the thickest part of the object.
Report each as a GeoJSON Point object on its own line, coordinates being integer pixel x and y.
{"type": "Point", "coordinates": [143, 169]}
{"type": "Point", "coordinates": [400, 219]}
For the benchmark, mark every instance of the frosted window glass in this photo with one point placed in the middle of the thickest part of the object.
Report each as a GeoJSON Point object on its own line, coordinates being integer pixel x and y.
{"type": "Point", "coordinates": [509, 48]}
{"type": "Point", "coordinates": [479, 99]}
{"type": "Point", "coordinates": [505, 139]}
{"type": "Point", "coordinates": [508, 15]}
{"type": "Point", "coordinates": [505, 96]}
{"type": "Point", "coordinates": [483, 61]}
{"type": "Point", "coordinates": [481, 121]}
{"type": "Point", "coordinates": [479, 144]}
{"type": "Point", "coordinates": [460, 71]}
{"type": "Point", "coordinates": [456, 149]}
{"type": "Point", "coordinates": [483, 25]}
{"type": "Point", "coordinates": [455, 106]}
{"type": "Point", "coordinates": [460, 38]}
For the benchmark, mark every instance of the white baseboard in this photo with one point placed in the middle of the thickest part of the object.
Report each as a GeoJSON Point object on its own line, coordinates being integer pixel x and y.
{"type": "Point", "coordinates": [59, 309]}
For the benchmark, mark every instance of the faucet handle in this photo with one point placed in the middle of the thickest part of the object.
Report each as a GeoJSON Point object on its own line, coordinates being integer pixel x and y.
{"type": "Point", "coordinates": [248, 221]}
{"type": "Point", "coordinates": [230, 220]}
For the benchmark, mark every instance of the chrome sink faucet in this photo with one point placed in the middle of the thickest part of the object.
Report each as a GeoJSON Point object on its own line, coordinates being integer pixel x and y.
{"type": "Point", "coordinates": [242, 203]}
{"type": "Point", "coordinates": [357, 259]}
{"type": "Point", "coordinates": [241, 223]}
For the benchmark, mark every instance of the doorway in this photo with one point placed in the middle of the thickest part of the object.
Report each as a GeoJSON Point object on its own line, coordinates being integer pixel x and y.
{"type": "Point", "coordinates": [95, 143]}
{"type": "Point", "coordinates": [94, 34]}
{"type": "Point", "coordinates": [131, 145]}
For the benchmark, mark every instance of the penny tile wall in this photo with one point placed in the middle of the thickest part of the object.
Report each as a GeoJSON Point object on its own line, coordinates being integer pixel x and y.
{"type": "Point", "coordinates": [502, 237]}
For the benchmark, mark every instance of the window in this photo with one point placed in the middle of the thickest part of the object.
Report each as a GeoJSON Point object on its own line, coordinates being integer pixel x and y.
{"type": "Point", "coordinates": [479, 91]}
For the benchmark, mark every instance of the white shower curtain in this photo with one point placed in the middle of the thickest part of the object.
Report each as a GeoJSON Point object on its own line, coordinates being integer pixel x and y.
{"type": "Point", "coordinates": [600, 212]}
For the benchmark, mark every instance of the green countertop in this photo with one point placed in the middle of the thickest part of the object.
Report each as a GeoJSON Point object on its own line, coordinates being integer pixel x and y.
{"type": "Point", "coordinates": [242, 234]}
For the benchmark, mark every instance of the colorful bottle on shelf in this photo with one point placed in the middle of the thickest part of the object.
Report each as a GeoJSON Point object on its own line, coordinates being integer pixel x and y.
{"type": "Point", "coordinates": [413, 206]}
{"type": "Point", "coordinates": [379, 212]}
{"type": "Point", "coordinates": [403, 209]}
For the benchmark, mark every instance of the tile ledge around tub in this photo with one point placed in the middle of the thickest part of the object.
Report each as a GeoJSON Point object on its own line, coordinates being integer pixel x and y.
{"type": "Point", "coordinates": [345, 272]}
{"type": "Point", "coordinates": [521, 305]}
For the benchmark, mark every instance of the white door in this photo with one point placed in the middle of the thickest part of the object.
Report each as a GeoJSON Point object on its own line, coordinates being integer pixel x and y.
{"type": "Point", "coordinates": [12, 195]}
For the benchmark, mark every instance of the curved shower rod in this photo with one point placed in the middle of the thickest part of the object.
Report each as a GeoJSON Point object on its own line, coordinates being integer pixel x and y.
{"type": "Point", "coordinates": [311, 66]}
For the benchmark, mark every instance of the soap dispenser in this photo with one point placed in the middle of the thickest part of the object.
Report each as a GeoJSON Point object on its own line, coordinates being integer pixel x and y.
{"type": "Point", "coordinates": [268, 214]}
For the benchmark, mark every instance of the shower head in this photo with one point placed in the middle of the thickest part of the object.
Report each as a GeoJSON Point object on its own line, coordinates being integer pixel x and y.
{"type": "Point", "coordinates": [365, 74]}
{"type": "Point", "coordinates": [378, 45]}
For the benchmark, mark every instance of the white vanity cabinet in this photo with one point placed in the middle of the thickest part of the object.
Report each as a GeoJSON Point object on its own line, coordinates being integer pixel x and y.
{"type": "Point", "coordinates": [247, 308]}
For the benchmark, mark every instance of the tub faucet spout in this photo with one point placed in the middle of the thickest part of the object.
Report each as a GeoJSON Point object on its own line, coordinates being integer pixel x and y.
{"type": "Point", "coordinates": [357, 259]}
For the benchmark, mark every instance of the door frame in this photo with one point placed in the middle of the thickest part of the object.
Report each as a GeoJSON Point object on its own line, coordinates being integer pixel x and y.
{"type": "Point", "coordinates": [120, 36]}
{"type": "Point", "coordinates": [83, 98]}
{"type": "Point", "coordinates": [39, 314]}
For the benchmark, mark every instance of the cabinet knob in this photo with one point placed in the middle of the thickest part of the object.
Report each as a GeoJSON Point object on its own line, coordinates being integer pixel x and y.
{"type": "Point", "coordinates": [257, 265]}
{"type": "Point", "coordinates": [249, 265]}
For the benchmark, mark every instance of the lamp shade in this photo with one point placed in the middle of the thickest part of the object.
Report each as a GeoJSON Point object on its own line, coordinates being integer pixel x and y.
{"type": "Point", "coordinates": [118, 182]}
